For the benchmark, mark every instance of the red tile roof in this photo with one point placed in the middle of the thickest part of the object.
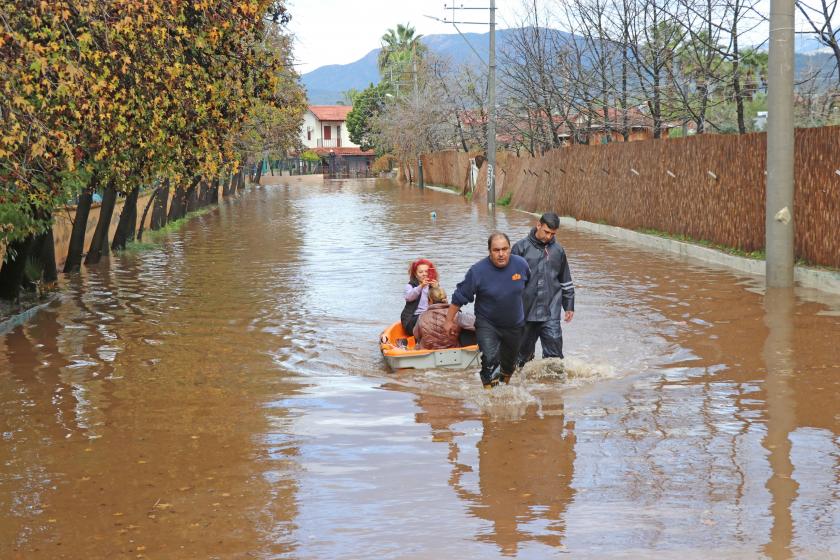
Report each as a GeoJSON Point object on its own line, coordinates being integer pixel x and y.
{"type": "Point", "coordinates": [331, 112]}
{"type": "Point", "coordinates": [345, 151]}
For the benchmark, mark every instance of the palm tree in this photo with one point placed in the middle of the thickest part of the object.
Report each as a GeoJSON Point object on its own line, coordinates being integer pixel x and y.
{"type": "Point", "coordinates": [754, 65]}
{"type": "Point", "coordinates": [399, 46]}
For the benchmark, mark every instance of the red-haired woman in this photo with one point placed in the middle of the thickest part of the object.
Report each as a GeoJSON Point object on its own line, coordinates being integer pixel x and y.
{"type": "Point", "coordinates": [421, 275]}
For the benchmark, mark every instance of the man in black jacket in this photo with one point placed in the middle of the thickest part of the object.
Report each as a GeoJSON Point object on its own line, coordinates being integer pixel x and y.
{"type": "Point", "coordinates": [549, 294]}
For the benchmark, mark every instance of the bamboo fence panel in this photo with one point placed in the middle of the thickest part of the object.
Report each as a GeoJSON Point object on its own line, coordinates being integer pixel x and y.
{"type": "Point", "coordinates": [708, 187]}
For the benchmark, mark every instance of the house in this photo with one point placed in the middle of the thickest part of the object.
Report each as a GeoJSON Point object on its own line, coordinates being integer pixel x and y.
{"type": "Point", "coordinates": [516, 131]}
{"type": "Point", "coordinates": [325, 133]}
{"type": "Point", "coordinates": [592, 128]}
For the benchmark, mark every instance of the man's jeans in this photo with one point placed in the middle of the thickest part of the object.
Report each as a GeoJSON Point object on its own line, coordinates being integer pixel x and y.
{"type": "Point", "coordinates": [550, 334]}
{"type": "Point", "coordinates": [499, 347]}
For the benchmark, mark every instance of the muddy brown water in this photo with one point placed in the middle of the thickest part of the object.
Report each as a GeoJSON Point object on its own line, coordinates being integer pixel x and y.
{"type": "Point", "coordinates": [223, 397]}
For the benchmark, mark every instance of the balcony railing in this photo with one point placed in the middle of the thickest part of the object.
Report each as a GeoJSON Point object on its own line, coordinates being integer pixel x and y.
{"type": "Point", "coordinates": [332, 143]}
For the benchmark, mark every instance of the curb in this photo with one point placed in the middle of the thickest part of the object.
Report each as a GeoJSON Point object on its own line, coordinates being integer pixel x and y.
{"type": "Point", "coordinates": [824, 280]}
{"type": "Point", "coordinates": [16, 320]}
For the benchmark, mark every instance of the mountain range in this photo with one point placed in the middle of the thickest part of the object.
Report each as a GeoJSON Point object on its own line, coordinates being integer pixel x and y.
{"type": "Point", "coordinates": [325, 85]}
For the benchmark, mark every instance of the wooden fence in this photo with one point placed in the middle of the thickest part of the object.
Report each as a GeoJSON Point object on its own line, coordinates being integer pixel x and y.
{"type": "Point", "coordinates": [708, 187]}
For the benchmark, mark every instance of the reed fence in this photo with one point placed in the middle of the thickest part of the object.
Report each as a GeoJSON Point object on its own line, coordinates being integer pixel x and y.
{"type": "Point", "coordinates": [708, 187]}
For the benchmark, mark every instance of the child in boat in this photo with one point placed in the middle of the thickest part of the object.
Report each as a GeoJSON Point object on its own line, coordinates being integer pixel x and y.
{"type": "Point", "coordinates": [429, 332]}
{"type": "Point", "coordinates": [421, 275]}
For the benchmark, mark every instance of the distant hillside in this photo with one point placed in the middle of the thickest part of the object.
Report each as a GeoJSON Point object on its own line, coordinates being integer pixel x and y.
{"type": "Point", "coordinates": [325, 85]}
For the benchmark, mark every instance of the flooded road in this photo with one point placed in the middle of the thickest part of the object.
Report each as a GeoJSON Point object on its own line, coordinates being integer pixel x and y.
{"type": "Point", "coordinates": [223, 396]}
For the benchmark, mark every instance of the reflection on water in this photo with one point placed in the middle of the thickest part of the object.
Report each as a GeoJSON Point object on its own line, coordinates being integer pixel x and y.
{"type": "Point", "coordinates": [524, 477]}
{"type": "Point", "coordinates": [779, 359]}
{"type": "Point", "coordinates": [223, 396]}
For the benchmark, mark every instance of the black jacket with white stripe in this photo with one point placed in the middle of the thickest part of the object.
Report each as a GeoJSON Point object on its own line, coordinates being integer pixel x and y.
{"type": "Point", "coordinates": [550, 289]}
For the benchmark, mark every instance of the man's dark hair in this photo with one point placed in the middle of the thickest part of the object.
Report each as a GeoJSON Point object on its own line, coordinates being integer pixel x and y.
{"type": "Point", "coordinates": [550, 219]}
{"type": "Point", "coordinates": [494, 235]}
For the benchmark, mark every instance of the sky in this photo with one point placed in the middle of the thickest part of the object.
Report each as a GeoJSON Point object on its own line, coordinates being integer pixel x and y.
{"type": "Point", "coordinates": [343, 31]}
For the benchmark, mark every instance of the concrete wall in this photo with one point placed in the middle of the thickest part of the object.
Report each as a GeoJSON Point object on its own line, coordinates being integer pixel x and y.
{"type": "Point", "coordinates": [64, 219]}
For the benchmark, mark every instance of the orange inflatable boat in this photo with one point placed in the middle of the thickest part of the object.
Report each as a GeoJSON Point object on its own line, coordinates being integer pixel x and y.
{"type": "Point", "coordinates": [399, 352]}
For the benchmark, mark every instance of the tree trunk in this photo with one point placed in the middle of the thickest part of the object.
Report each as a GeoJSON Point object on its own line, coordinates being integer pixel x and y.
{"type": "Point", "coordinates": [192, 197]}
{"type": "Point", "coordinates": [77, 236]}
{"type": "Point", "coordinates": [461, 132]}
{"type": "Point", "coordinates": [211, 196]}
{"type": "Point", "coordinates": [701, 112]}
{"type": "Point", "coordinates": [656, 107]}
{"type": "Point", "coordinates": [625, 124]}
{"type": "Point", "coordinates": [128, 221]}
{"type": "Point", "coordinates": [214, 191]}
{"type": "Point", "coordinates": [201, 194]}
{"type": "Point", "coordinates": [258, 175]}
{"type": "Point", "coordinates": [46, 257]}
{"type": "Point", "coordinates": [179, 202]}
{"type": "Point", "coordinates": [207, 193]}
{"type": "Point", "coordinates": [145, 212]}
{"type": "Point", "coordinates": [736, 74]}
{"type": "Point", "coordinates": [12, 271]}
{"type": "Point", "coordinates": [99, 243]}
{"type": "Point", "coordinates": [227, 186]}
{"type": "Point", "coordinates": [42, 253]}
{"type": "Point", "coordinates": [159, 210]}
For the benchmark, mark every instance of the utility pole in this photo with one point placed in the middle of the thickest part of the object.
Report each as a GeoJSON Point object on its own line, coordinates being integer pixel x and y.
{"type": "Point", "coordinates": [779, 216]}
{"type": "Point", "coordinates": [416, 102]}
{"type": "Point", "coordinates": [491, 91]}
{"type": "Point", "coordinates": [491, 117]}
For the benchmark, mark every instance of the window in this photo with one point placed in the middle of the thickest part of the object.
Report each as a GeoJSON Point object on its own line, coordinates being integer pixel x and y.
{"type": "Point", "coordinates": [327, 132]}
{"type": "Point", "coordinates": [309, 133]}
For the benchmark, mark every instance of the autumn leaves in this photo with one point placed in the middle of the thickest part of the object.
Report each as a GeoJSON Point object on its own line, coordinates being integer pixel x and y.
{"type": "Point", "coordinates": [128, 93]}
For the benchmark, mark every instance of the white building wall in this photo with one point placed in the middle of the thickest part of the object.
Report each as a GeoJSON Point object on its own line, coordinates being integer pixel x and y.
{"type": "Point", "coordinates": [311, 122]}
{"type": "Point", "coordinates": [345, 137]}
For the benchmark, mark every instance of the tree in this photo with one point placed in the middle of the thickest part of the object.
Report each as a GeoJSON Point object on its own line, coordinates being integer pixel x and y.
{"type": "Point", "coordinates": [397, 42]}
{"type": "Point", "coordinates": [360, 120]}
{"type": "Point", "coordinates": [122, 96]}
{"type": "Point", "coordinates": [400, 53]}
{"type": "Point", "coordinates": [820, 18]}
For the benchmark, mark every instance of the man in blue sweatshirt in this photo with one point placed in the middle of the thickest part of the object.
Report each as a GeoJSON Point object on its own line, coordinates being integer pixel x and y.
{"type": "Point", "coordinates": [497, 284]}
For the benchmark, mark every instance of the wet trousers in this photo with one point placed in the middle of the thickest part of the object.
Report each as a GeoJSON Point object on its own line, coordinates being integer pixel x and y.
{"type": "Point", "coordinates": [499, 347]}
{"type": "Point", "coordinates": [550, 334]}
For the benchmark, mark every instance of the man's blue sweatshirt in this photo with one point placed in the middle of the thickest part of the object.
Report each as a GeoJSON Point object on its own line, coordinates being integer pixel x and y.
{"type": "Point", "coordinates": [497, 291]}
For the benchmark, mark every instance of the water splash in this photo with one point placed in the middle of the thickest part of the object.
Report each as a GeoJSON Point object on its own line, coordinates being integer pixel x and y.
{"type": "Point", "coordinates": [571, 372]}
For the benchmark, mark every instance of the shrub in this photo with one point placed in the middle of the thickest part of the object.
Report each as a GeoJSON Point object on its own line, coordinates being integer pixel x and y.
{"type": "Point", "coordinates": [382, 163]}
{"type": "Point", "coordinates": [309, 155]}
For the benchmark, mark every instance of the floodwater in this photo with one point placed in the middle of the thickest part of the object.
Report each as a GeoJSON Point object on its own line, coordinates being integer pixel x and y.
{"type": "Point", "coordinates": [223, 397]}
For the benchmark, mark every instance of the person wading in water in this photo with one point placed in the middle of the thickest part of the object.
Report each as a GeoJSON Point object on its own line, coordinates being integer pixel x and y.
{"type": "Point", "coordinates": [549, 291]}
{"type": "Point", "coordinates": [497, 284]}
